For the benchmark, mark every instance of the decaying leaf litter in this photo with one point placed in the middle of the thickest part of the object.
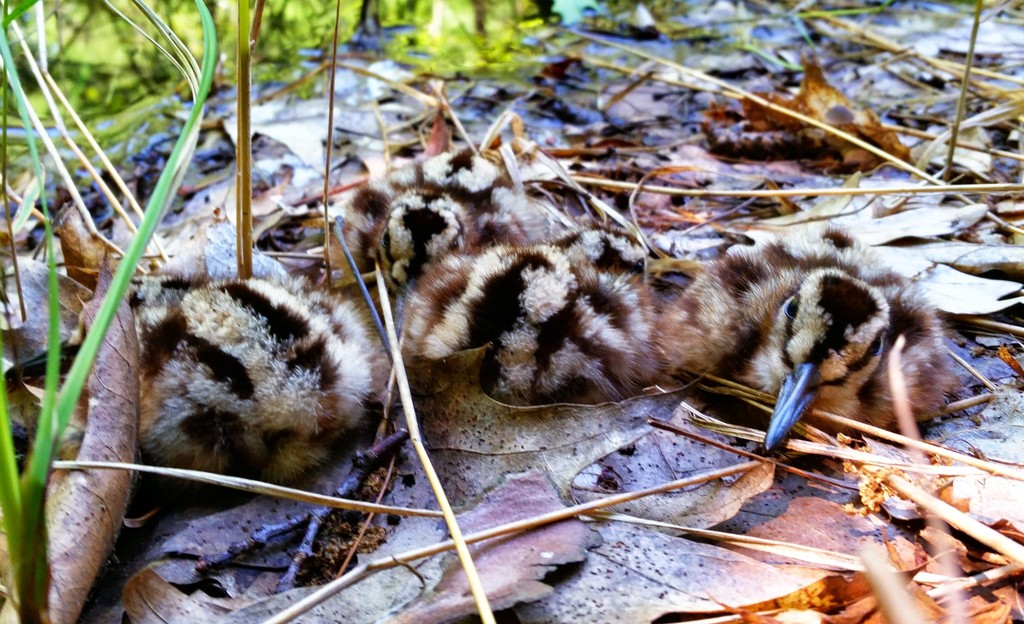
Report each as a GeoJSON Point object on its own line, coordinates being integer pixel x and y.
{"type": "Point", "coordinates": [701, 154]}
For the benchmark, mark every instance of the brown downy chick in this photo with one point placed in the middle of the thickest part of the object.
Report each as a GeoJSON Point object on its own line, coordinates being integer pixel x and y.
{"type": "Point", "coordinates": [558, 329]}
{"type": "Point", "coordinates": [605, 247]}
{"type": "Point", "coordinates": [811, 317]}
{"type": "Point", "coordinates": [254, 378]}
{"type": "Point", "coordinates": [449, 202]}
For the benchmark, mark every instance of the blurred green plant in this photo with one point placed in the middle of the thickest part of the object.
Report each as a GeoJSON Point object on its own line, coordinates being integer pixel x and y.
{"type": "Point", "coordinates": [22, 499]}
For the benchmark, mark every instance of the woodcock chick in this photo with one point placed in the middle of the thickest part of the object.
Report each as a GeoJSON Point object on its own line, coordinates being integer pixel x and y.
{"type": "Point", "coordinates": [810, 317]}
{"type": "Point", "coordinates": [255, 378]}
{"type": "Point", "coordinates": [559, 327]}
{"type": "Point", "coordinates": [450, 202]}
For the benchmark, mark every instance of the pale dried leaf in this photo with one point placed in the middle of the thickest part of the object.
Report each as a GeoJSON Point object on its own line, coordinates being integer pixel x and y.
{"type": "Point", "coordinates": [997, 437]}
{"type": "Point", "coordinates": [638, 575]}
{"type": "Point", "coordinates": [84, 508]}
{"type": "Point", "coordinates": [149, 598]}
{"type": "Point", "coordinates": [921, 222]}
{"type": "Point", "coordinates": [511, 568]}
{"type": "Point", "coordinates": [973, 258]}
{"type": "Point", "coordinates": [977, 161]}
{"type": "Point", "coordinates": [992, 498]}
{"type": "Point", "coordinates": [213, 252]}
{"type": "Point", "coordinates": [959, 293]}
{"type": "Point", "coordinates": [28, 339]}
{"type": "Point", "coordinates": [475, 441]}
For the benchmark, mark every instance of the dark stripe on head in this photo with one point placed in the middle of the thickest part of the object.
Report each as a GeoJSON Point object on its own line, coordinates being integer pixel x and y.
{"type": "Point", "coordinates": [160, 341]}
{"type": "Point", "coordinates": [787, 360]}
{"type": "Point", "coordinates": [183, 282]}
{"type": "Point", "coordinates": [313, 357]}
{"type": "Point", "coordinates": [283, 323]}
{"type": "Point", "coordinates": [224, 366]}
{"type": "Point", "coordinates": [499, 309]}
{"type": "Point", "coordinates": [739, 275]}
{"type": "Point", "coordinates": [371, 202]}
{"type": "Point", "coordinates": [463, 160]}
{"type": "Point", "coordinates": [849, 305]}
{"type": "Point", "coordinates": [838, 238]}
{"type": "Point", "coordinates": [423, 224]}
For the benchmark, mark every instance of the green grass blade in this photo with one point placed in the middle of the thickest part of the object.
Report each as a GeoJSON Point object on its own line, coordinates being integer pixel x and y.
{"type": "Point", "coordinates": [26, 527]}
{"type": "Point", "coordinates": [27, 548]}
{"type": "Point", "coordinates": [161, 198]}
{"type": "Point", "coordinates": [18, 11]}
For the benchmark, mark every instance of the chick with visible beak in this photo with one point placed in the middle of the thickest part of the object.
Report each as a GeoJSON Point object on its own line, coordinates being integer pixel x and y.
{"type": "Point", "coordinates": [809, 317]}
{"type": "Point", "coordinates": [796, 395]}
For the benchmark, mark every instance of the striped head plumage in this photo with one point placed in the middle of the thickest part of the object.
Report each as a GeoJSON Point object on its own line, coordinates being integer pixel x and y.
{"type": "Point", "coordinates": [605, 247]}
{"type": "Point", "coordinates": [254, 378]}
{"type": "Point", "coordinates": [449, 202]}
{"type": "Point", "coordinates": [811, 317]}
{"type": "Point", "coordinates": [557, 328]}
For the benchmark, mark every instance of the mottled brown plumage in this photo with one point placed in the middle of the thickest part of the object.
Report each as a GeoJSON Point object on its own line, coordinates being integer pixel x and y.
{"type": "Point", "coordinates": [558, 328]}
{"type": "Point", "coordinates": [450, 202]}
{"type": "Point", "coordinates": [811, 316]}
{"type": "Point", "coordinates": [255, 377]}
{"type": "Point", "coordinates": [605, 247]}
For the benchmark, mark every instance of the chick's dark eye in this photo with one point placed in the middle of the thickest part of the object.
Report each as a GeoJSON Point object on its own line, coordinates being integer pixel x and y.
{"type": "Point", "coordinates": [792, 307]}
{"type": "Point", "coordinates": [876, 346]}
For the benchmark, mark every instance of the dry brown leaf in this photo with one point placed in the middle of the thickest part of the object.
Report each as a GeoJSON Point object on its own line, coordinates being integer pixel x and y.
{"type": "Point", "coordinates": [475, 441]}
{"type": "Point", "coordinates": [767, 133]}
{"type": "Point", "coordinates": [83, 252]}
{"type": "Point", "coordinates": [149, 598]}
{"type": "Point", "coordinates": [819, 523]}
{"type": "Point", "coordinates": [25, 340]}
{"type": "Point", "coordinates": [512, 568]}
{"type": "Point", "coordinates": [84, 508]}
{"type": "Point", "coordinates": [662, 456]}
{"type": "Point", "coordinates": [638, 575]}
{"type": "Point", "coordinates": [1009, 360]}
{"type": "Point", "coordinates": [820, 100]}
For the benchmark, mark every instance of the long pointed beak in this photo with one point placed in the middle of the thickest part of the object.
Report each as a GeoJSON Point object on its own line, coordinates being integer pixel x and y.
{"type": "Point", "coordinates": [797, 392]}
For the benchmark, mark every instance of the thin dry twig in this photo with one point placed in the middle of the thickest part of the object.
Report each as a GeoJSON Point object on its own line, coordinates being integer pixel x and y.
{"type": "Point", "coordinates": [250, 486]}
{"type": "Point", "coordinates": [366, 569]}
{"type": "Point", "coordinates": [404, 392]}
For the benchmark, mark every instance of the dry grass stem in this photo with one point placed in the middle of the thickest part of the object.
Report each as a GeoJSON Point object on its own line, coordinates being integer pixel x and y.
{"type": "Point", "coordinates": [1011, 549]}
{"type": "Point", "coordinates": [800, 552]}
{"type": "Point", "coordinates": [889, 588]}
{"type": "Point", "coordinates": [51, 149]}
{"type": "Point", "coordinates": [978, 321]}
{"type": "Point", "coordinates": [802, 192]}
{"type": "Point", "coordinates": [927, 447]}
{"type": "Point", "coordinates": [249, 485]}
{"type": "Point", "coordinates": [973, 371]}
{"type": "Point", "coordinates": [402, 379]}
{"type": "Point", "coordinates": [362, 571]}
{"type": "Point", "coordinates": [110, 169]}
